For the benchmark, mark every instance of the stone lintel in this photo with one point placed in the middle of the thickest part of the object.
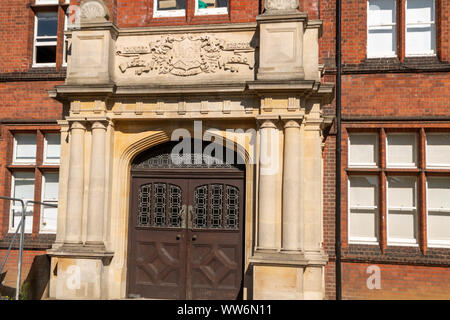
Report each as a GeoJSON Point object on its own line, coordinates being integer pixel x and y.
{"type": "Point", "coordinates": [298, 259]}
{"type": "Point", "coordinates": [278, 87]}
{"type": "Point", "coordinates": [278, 16]}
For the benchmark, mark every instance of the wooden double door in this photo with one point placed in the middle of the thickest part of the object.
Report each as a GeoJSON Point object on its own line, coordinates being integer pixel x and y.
{"type": "Point", "coordinates": [186, 236]}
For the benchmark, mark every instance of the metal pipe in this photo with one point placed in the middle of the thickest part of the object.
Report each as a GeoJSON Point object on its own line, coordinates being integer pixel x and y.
{"type": "Point", "coordinates": [338, 153]}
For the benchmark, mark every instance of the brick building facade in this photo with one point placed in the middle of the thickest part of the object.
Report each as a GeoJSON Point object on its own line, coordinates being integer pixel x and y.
{"type": "Point", "coordinates": [395, 105]}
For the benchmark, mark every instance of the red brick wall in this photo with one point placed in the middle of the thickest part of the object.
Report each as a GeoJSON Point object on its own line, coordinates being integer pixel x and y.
{"type": "Point", "coordinates": [31, 261]}
{"type": "Point", "coordinates": [406, 94]}
{"type": "Point", "coordinates": [397, 282]}
{"type": "Point", "coordinates": [28, 100]}
{"type": "Point", "coordinates": [16, 32]}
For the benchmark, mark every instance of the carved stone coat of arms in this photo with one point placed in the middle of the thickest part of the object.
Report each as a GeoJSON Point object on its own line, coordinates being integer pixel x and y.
{"type": "Point", "coordinates": [187, 55]}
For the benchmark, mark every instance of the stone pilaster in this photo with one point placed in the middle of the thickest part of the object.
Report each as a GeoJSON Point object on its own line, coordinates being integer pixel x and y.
{"type": "Point", "coordinates": [96, 196]}
{"type": "Point", "coordinates": [75, 186]}
{"type": "Point", "coordinates": [291, 239]}
{"type": "Point", "coordinates": [269, 166]}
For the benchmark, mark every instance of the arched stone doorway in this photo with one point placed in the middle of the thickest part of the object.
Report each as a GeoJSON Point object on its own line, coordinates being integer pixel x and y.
{"type": "Point", "coordinates": [186, 224]}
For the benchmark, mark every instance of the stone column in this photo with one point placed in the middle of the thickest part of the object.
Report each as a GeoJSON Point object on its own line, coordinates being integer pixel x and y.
{"type": "Point", "coordinates": [75, 184]}
{"type": "Point", "coordinates": [268, 170]}
{"type": "Point", "coordinates": [96, 196]}
{"type": "Point", "coordinates": [291, 186]}
{"type": "Point", "coordinates": [312, 177]}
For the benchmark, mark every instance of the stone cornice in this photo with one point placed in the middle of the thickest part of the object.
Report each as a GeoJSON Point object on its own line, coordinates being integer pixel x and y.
{"type": "Point", "coordinates": [201, 28]}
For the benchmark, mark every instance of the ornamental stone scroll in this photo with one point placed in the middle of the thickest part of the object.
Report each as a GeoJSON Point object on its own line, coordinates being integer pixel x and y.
{"type": "Point", "coordinates": [94, 11]}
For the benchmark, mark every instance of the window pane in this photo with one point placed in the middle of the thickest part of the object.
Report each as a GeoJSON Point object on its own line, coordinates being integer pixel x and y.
{"type": "Point", "coordinates": [25, 147]}
{"type": "Point", "coordinates": [47, 24]}
{"type": "Point", "coordinates": [23, 189]}
{"type": "Point", "coordinates": [438, 150]}
{"type": "Point", "coordinates": [438, 226]}
{"type": "Point", "coordinates": [420, 39]}
{"type": "Point", "coordinates": [438, 196]}
{"type": "Point", "coordinates": [363, 191]}
{"type": "Point", "coordinates": [363, 223]}
{"type": "Point", "coordinates": [23, 186]}
{"type": "Point", "coordinates": [418, 11]}
{"type": "Point", "coordinates": [51, 186]}
{"type": "Point", "coordinates": [401, 192]}
{"type": "Point", "coordinates": [402, 225]}
{"type": "Point", "coordinates": [363, 149]}
{"type": "Point", "coordinates": [53, 150]}
{"type": "Point", "coordinates": [49, 219]}
{"type": "Point", "coordinates": [381, 12]}
{"type": "Point", "coordinates": [401, 150]}
{"type": "Point", "coordinates": [46, 54]}
{"type": "Point", "coordinates": [171, 4]}
{"type": "Point", "coordinates": [204, 4]}
{"type": "Point", "coordinates": [381, 42]}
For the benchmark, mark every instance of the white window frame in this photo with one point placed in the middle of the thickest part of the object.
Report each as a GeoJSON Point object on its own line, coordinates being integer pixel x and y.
{"type": "Point", "coordinates": [376, 151]}
{"type": "Point", "coordinates": [210, 11]}
{"type": "Point", "coordinates": [431, 23]}
{"type": "Point", "coordinates": [15, 161]}
{"type": "Point", "coordinates": [402, 165]}
{"type": "Point", "coordinates": [394, 25]}
{"type": "Point", "coordinates": [434, 165]}
{"type": "Point", "coordinates": [435, 243]}
{"type": "Point", "coordinates": [42, 228]}
{"type": "Point", "coordinates": [18, 205]}
{"type": "Point", "coordinates": [46, 2]}
{"type": "Point", "coordinates": [45, 160]}
{"type": "Point", "coordinates": [363, 240]}
{"type": "Point", "coordinates": [65, 41]}
{"type": "Point", "coordinates": [167, 13]}
{"type": "Point", "coordinates": [399, 241]}
{"type": "Point", "coordinates": [44, 44]}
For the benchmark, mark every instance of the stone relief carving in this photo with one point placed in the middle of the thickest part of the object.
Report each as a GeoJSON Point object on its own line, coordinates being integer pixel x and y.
{"type": "Point", "coordinates": [281, 4]}
{"type": "Point", "coordinates": [187, 55]}
{"type": "Point", "coordinates": [94, 10]}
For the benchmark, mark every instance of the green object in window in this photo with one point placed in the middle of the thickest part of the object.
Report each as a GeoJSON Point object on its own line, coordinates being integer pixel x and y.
{"type": "Point", "coordinates": [202, 5]}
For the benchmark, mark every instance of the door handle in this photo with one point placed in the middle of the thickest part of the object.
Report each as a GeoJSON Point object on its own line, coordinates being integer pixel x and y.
{"type": "Point", "coordinates": [194, 237]}
{"type": "Point", "coordinates": [190, 216]}
{"type": "Point", "coordinates": [183, 216]}
{"type": "Point", "coordinates": [178, 236]}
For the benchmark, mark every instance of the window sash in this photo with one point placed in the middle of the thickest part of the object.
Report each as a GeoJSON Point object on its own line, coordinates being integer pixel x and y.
{"type": "Point", "coordinates": [351, 150]}
{"type": "Point", "coordinates": [429, 163]}
{"type": "Point", "coordinates": [425, 23]}
{"type": "Point", "coordinates": [16, 207]}
{"type": "Point", "coordinates": [49, 215]}
{"type": "Point", "coordinates": [358, 211]}
{"type": "Point", "coordinates": [210, 11]}
{"type": "Point", "coordinates": [167, 13]}
{"type": "Point", "coordinates": [39, 43]}
{"type": "Point", "coordinates": [391, 164]}
{"type": "Point", "coordinates": [22, 159]}
{"type": "Point", "coordinates": [395, 210]}
{"type": "Point", "coordinates": [47, 157]}
{"type": "Point", "coordinates": [388, 26]}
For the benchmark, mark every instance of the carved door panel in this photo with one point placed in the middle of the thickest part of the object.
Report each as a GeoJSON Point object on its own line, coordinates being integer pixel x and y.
{"type": "Point", "coordinates": [157, 248]}
{"type": "Point", "coordinates": [214, 251]}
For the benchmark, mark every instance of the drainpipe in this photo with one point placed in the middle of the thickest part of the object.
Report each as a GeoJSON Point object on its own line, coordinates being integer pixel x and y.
{"type": "Point", "coordinates": [338, 153]}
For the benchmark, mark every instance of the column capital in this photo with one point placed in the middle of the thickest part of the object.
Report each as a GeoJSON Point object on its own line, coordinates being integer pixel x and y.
{"type": "Point", "coordinates": [78, 124]}
{"type": "Point", "coordinates": [97, 124]}
{"type": "Point", "coordinates": [292, 121]}
{"type": "Point", "coordinates": [267, 121]}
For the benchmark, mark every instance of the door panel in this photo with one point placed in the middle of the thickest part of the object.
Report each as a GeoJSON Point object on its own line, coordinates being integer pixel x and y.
{"type": "Point", "coordinates": [214, 255]}
{"type": "Point", "coordinates": [157, 249]}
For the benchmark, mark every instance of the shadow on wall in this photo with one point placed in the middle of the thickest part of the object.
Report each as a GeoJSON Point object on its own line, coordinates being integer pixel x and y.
{"type": "Point", "coordinates": [35, 285]}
